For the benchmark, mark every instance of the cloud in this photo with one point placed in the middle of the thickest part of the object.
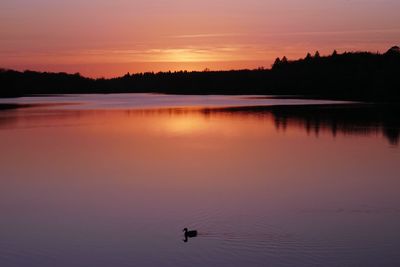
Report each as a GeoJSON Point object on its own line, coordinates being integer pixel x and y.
{"type": "Point", "coordinates": [205, 35]}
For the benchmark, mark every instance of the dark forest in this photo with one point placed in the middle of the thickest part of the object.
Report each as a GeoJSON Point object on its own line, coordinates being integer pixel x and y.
{"type": "Point", "coordinates": [360, 76]}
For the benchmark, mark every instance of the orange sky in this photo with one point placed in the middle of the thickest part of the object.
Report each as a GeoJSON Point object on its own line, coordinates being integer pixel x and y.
{"type": "Point", "coordinates": [109, 38]}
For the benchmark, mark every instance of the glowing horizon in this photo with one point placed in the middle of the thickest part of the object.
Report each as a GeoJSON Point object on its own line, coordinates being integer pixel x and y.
{"type": "Point", "coordinates": [111, 38]}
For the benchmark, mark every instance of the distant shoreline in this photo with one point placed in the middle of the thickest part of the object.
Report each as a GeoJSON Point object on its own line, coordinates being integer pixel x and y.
{"type": "Point", "coordinates": [13, 106]}
{"type": "Point", "coordinates": [358, 76]}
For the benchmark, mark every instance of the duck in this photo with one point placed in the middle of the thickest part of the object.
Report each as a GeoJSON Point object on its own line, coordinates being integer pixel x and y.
{"type": "Point", "coordinates": [191, 233]}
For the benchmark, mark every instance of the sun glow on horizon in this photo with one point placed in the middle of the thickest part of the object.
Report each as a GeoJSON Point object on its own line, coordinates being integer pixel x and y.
{"type": "Point", "coordinates": [139, 36]}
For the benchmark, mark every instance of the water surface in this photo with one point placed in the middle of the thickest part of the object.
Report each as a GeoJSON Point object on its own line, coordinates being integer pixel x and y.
{"type": "Point", "coordinates": [112, 180]}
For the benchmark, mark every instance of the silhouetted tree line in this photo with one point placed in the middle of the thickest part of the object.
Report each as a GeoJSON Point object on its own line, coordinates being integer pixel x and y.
{"type": "Point", "coordinates": [356, 75]}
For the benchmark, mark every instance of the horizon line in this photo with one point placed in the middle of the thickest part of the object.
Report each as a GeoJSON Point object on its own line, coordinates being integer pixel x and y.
{"type": "Point", "coordinates": [206, 69]}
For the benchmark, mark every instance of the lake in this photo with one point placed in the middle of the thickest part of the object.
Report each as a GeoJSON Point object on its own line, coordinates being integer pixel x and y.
{"type": "Point", "coordinates": [111, 180]}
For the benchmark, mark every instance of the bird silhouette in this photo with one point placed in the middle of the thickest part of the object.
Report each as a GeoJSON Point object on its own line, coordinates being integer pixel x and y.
{"type": "Point", "coordinates": [189, 234]}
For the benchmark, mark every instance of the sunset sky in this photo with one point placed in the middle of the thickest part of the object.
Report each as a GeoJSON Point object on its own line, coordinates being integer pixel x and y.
{"type": "Point", "coordinates": [111, 37]}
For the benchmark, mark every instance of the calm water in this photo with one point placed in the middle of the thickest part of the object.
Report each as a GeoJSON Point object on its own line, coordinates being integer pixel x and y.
{"type": "Point", "coordinates": [112, 181]}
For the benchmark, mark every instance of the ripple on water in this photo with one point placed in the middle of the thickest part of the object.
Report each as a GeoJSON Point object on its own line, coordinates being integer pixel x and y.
{"type": "Point", "coordinates": [223, 239]}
